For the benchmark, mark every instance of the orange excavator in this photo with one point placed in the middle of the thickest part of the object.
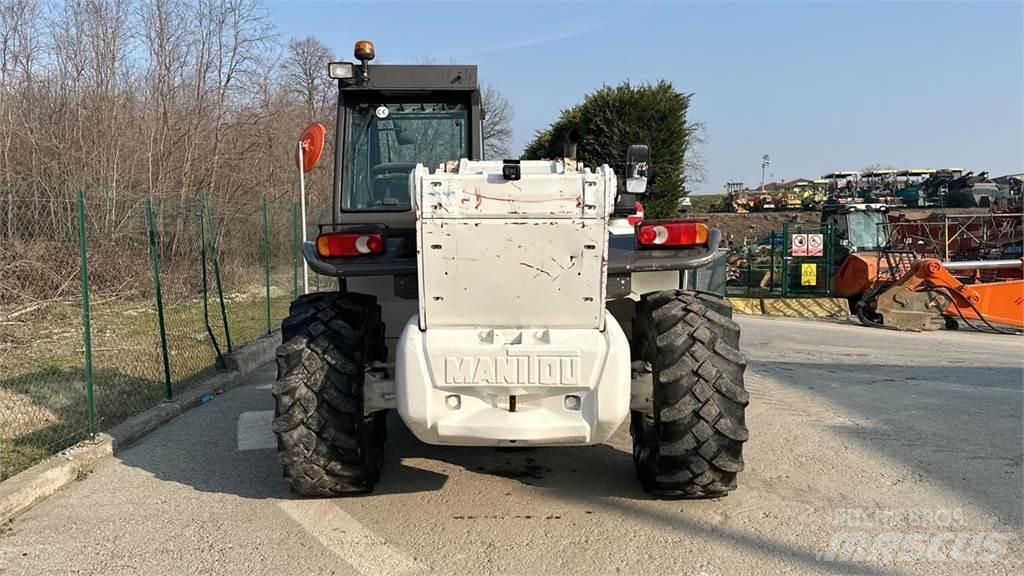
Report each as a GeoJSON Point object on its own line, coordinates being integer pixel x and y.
{"type": "Point", "coordinates": [930, 296]}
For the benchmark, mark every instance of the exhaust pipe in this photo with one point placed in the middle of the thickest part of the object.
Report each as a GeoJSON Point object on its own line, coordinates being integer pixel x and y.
{"type": "Point", "coordinates": [569, 145]}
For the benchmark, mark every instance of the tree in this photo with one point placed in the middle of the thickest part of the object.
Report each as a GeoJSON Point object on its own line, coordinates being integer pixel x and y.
{"type": "Point", "coordinates": [496, 129]}
{"type": "Point", "coordinates": [305, 70]}
{"type": "Point", "coordinates": [611, 118]}
{"type": "Point", "coordinates": [694, 163]}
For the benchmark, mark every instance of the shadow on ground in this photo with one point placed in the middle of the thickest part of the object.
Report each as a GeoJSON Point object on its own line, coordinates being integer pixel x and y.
{"type": "Point", "coordinates": [952, 424]}
{"type": "Point", "coordinates": [200, 450]}
{"type": "Point", "coordinates": [958, 425]}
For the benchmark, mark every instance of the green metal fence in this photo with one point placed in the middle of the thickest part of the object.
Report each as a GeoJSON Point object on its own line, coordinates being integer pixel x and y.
{"type": "Point", "coordinates": [807, 270]}
{"type": "Point", "coordinates": [147, 307]}
{"type": "Point", "coordinates": [797, 261]}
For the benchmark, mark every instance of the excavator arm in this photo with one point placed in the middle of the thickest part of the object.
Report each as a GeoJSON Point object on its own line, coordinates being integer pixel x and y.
{"type": "Point", "coordinates": [928, 293]}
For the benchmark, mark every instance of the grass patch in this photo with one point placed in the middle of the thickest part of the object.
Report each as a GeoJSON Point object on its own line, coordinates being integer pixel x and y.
{"type": "Point", "coordinates": [43, 407]}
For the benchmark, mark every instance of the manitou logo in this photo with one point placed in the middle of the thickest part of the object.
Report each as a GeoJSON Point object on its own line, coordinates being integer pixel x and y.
{"type": "Point", "coordinates": [518, 367]}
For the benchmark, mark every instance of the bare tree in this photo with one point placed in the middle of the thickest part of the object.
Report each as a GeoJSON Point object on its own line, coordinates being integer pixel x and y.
{"type": "Point", "coordinates": [694, 163]}
{"type": "Point", "coordinates": [305, 69]}
{"type": "Point", "coordinates": [496, 130]}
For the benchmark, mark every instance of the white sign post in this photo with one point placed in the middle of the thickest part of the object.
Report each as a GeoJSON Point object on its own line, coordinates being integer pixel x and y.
{"type": "Point", "coordinates": [302, 208]}
{"type": "Point", "coordinates": [798, 246]}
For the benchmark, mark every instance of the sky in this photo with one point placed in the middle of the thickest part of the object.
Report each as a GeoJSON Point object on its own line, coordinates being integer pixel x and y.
{"type": "Point", "coordinates": [819, 86]}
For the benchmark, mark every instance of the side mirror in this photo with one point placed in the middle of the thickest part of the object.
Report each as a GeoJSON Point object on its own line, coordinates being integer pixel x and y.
{"type": "Point", "coordinates": [637, 161]}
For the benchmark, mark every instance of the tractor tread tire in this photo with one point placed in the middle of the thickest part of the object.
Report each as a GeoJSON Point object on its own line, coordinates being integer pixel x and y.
{"type": "Point", "coordinates": [326, 445]}
{"type": "Point", "coordinates": [691, 446]}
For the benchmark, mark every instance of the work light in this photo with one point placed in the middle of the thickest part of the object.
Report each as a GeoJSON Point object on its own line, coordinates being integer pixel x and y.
{"type": "Point", "coordinates": [339, 70]}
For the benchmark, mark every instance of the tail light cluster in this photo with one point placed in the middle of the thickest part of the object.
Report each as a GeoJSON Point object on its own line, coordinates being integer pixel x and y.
{"type": "Point", "coordinates": [671, 233]}
{"type": "Point", "coordinates": [349, 243]}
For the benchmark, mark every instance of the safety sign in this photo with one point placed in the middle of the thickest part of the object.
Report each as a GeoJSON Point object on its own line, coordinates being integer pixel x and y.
{"type": "Point", "coordinates": [808, 274]}
{"type": "Point", "coordinates": [815, 244]}
{"type": "Point", "coordinates": [799, 245]}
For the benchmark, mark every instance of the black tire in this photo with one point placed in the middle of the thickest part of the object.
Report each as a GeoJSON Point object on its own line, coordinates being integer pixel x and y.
{"type": "Point", "coordinates": [692, 445]}
{"type": "Point", "coordinates": [325, 444]}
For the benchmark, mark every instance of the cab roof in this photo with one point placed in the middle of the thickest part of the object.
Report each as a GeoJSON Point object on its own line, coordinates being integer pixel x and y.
{"type": "Point", "coordinates": [413, 77]}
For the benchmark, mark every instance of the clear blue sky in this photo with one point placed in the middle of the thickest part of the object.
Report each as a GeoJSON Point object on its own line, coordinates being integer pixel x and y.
{"type": "Point", "coordinates": [818, 86]}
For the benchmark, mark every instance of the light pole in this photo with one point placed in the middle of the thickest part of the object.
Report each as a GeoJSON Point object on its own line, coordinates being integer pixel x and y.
{"type": "Point", "coordinates": [765, 161]}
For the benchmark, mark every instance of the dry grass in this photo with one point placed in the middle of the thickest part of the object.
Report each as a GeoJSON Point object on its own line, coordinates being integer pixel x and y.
{"type": "Point", "coordinates": [42, 377]}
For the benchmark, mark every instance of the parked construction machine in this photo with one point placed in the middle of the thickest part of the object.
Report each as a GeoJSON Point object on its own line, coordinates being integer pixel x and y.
{"type": "Point", "coordinates": [497, 303]}
{"type": "Point", "coordinates": [735, 199]}
{"type": "Point", "coordinates": [933, 294]}
{"type": "Point", "coordinates": [889, 271]}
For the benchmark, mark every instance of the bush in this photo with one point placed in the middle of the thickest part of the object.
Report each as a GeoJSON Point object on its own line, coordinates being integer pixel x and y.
{"type": "Point", "coordinates": [612, 118]}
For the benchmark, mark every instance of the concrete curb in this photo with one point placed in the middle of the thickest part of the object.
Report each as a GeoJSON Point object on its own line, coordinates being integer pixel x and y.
{"type": "Point", "coordinates": [30, 487]}
{"type": "Point", "coordinates": [806, 307]}
{"type": "Point", "coordinates": [792, 307]}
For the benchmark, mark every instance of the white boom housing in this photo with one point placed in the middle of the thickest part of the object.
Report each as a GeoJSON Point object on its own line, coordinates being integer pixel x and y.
{"type": "Point", "coordinates": [512, 343]}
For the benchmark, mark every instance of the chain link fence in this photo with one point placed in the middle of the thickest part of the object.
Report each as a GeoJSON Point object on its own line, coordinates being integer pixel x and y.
{"type": "Point", "coordinates": [104, 314]}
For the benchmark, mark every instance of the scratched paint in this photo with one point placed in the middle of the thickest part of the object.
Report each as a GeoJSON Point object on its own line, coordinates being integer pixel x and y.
{"type": "Point", "coordinates": [531, 252]}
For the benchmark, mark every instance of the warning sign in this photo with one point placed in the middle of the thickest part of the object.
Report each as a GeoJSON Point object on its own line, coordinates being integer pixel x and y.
{"type": "Point", "coordinates": [808, 274]}
{"type": "Point", "coordinates": [815, 244]}
{"type": "Point", "coordinates": [799, 245]}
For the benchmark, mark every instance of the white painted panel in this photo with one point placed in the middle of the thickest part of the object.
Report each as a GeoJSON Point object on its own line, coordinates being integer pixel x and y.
{"type": "Point", "coordinates": [478, 190]}
{"type": "Point", "coordinates": [254, 430]}
{"type": "Point", "coordinates": [513, 273]}
{"type": "Point", "coordinates": [513, 253]}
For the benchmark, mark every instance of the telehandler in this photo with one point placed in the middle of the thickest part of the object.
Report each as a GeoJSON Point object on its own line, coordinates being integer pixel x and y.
{"type": "Point", "coordinates": [497, 303]}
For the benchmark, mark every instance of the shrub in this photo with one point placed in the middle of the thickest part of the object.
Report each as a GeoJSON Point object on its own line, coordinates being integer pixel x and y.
{"type": "Point", "coordinates": [610, 119]}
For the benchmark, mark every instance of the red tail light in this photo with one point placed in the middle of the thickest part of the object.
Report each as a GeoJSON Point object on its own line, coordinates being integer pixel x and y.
{"type": "Point", "coordinates": [672, 233]}
{"type": "Point", "coordinates": [342, 244]}
{"type": "Point", "coordinates": [638, 217]}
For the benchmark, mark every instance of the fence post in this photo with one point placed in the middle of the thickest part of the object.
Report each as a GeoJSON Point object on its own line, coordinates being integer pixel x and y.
{"type": "Point", "coordinates": [216, 270]}
{"type": "Point", "coordinates": [786, 258]}
{"type": "Point", "coordinates": [750, 268]}
{"type": "Point", "coordinates": [90, 401]}
{"type": "Point", "coordinates": [828, 259]}
{"type": "Point", "coordinates": [771, 264]}
{"type": "Point", "coordinates": [296, 253]}
{"type": "Point", "coordinates": [154, 263]}
{"type": "Point", "coordinates": [266, 260]}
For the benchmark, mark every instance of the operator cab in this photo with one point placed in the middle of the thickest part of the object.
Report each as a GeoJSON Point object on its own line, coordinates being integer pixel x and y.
{"type": "Point", "coordinates": [391, 118]}
{"type": "Point", "coordinates": [856, 226]}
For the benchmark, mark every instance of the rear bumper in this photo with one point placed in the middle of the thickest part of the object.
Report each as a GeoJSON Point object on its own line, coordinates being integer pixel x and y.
{"type": "Point", "coordinates": [539, 367]}
{"type": "Point", "coordinates": [623, 259]}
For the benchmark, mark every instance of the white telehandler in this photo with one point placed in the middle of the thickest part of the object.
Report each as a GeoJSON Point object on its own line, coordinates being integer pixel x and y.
{"type": "Point", "coordinates": [497, 303]}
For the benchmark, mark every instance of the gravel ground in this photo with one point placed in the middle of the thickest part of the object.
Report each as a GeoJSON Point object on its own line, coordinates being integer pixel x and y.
{"type": "Point", "coordinates": [871, 452]}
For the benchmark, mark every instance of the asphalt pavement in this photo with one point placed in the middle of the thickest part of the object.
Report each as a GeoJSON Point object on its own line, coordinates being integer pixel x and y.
{"type": "Point", "coordinates": [871, 452]}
